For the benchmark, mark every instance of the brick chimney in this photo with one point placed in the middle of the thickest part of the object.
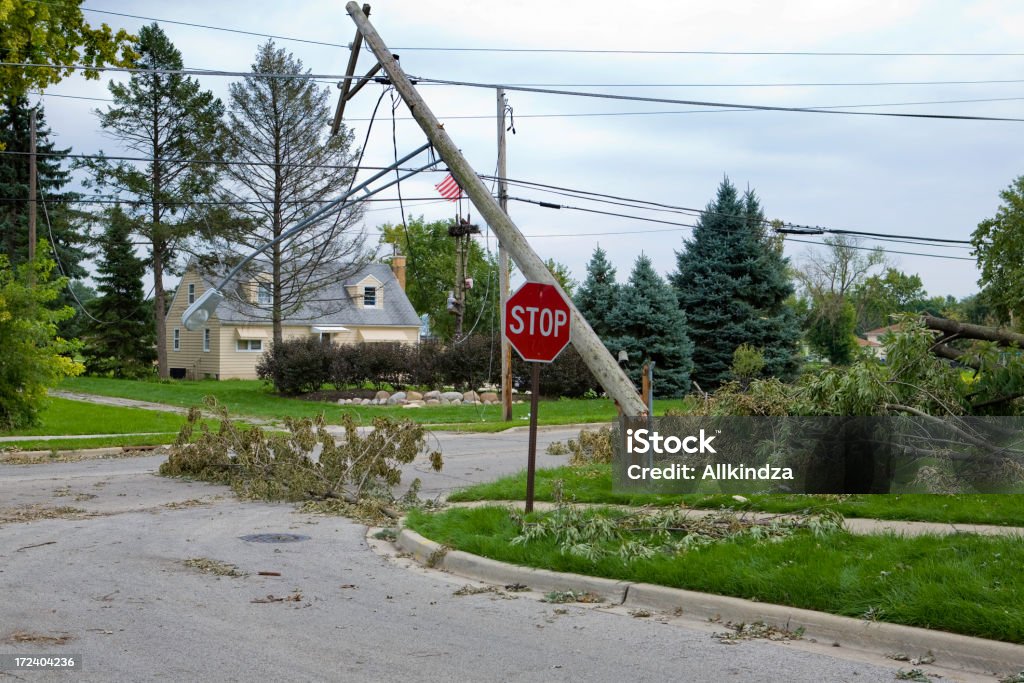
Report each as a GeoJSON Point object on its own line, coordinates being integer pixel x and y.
{"type": "Point", "coordinates": [398, 267]}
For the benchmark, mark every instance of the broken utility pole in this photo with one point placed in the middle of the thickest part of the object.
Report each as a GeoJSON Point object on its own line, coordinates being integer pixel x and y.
{"type": "Point", "coordinates": [587, 343]}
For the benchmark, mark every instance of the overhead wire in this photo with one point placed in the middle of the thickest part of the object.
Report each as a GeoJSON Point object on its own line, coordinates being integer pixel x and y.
{"type": "Point", "coordinates": [545, 91]}
{"type": "Point", "coordinates": [744, 53]}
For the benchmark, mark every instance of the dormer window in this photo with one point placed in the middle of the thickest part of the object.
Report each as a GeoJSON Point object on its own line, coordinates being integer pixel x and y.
{"type": "Point", "coordinates": [369, 297]}
{"type": "Point", "coordinates": [264, 296]}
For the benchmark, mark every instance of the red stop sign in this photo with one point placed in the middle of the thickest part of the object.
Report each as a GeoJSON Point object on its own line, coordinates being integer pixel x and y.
{"type": "Point", "coordinates": [537, 322]}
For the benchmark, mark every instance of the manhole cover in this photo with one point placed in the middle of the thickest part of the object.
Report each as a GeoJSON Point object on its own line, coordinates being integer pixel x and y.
{"type": "Point", "coordinates": [274, 538]}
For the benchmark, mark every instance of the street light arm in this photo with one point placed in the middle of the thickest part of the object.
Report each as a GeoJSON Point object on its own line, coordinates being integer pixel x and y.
{"type": "Point", "coordinates": [203, 307]}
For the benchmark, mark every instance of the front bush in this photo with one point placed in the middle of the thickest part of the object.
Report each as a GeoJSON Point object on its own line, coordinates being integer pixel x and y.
{"type": "Point", "coordinates": [297, 366]}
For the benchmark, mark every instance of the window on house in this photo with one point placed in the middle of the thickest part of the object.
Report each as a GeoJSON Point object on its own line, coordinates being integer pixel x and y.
{"type": "Point", "coordinates": [249, 345]}
{"type": "Point", "coordinates": [177, 339]}
{"type": "Point", "coordinates": [264, 296]}
{"type": "Point", "coordinates": [325, 337]}
{"type": "Point", "coordinates": [206, 339]}
{"type": "Point", "coordinates": [369, 297]}
{"type": "Point", "coordinates": [192, 293]}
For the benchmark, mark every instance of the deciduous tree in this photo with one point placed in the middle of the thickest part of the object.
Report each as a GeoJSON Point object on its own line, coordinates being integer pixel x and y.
{"type": "Point", "coordinates": [285, 167]}
{"type": "Point", "coordinates": [999, 245]}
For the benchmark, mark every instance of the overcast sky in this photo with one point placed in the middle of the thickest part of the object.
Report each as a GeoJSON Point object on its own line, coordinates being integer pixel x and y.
{"type": "Point", "coordinates": [924, 177]}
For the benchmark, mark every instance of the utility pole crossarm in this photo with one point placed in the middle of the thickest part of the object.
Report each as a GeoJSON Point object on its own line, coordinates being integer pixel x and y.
{"type": "Point", "coordinates": [587, 343]}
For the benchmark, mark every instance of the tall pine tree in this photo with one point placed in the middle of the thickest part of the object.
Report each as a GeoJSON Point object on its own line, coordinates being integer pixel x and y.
{"type": "Point", "coordinates": [646, 323]}
{"type": "Point", "coordinates": [732, 283]}
{"type": "Point", "coordinates": [167, 118]}
{"type": "Point", "coordinates": [120, 339]}
{"type": "Point", "coordinates": [596, 297]}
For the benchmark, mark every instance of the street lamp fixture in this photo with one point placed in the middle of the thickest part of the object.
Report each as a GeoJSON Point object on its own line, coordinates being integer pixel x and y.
{"type": "Point", "coordinates": [200, 311]}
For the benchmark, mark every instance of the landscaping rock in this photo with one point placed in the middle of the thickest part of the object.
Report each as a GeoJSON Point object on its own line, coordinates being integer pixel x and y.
{"type": "Point", "coordinates": [436, 395]}
{"type": "Point", "coordinates": [413, 404]}
{"type": "Point", "coordinates": [489, 397]}
{"type": "Point", "coordinates": [433, 402]}
{"type": "Point", "coordinates": [365, 402]}
{"type": "Point", "coordinates": [414, 396]}
{"type": "Point", "coordinates": [470, 396]}
{"type": "Point", "coordinates": [382, 396]}
{"type": "Point", "coordinates": [456, 402]}
{"type": "Point", "coordinates": [396, 399]}
{"type": "Point", "coordinates": [445, 402]}
{"type": "Point", "coordinates": [452, 395]}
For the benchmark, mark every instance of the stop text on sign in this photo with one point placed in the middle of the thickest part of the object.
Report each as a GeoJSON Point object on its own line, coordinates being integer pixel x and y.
{"type": "Point", "coordinates": [533, 320]}
{"type": "Point", "coordinates": [538, 322]}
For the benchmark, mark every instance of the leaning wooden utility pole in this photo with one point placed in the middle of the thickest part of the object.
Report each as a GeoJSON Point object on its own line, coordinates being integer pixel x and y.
{"type": "Point", "coordinates": [587, 343]}
{"type": "Point", "coordinates": [503, 265]}
{"type": "Point", "coordinates": [32, 185]}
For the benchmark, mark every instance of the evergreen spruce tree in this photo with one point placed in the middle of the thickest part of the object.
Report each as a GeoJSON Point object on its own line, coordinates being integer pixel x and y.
{"type": "Point", "coordinates": [648, 324]}
{"type": "Point", "coordinates": [598, 294]}
{"type": "Point", "coordinates": [120, 341]}
{"type": "Point", "coordinates": [732, 283]}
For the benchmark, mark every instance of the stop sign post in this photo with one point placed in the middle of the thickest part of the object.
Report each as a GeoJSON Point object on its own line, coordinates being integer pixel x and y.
{"type": "Point", "coordinates": [537, 325]}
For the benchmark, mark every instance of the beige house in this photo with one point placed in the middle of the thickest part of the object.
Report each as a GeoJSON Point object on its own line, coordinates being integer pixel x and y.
{"type": "Point", "coordinates": [873, 340]}
{"type": "Point", "coordinates": [369, 306]}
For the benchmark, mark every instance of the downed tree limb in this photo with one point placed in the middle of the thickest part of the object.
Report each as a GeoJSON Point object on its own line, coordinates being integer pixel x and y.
{"type": "Point", "coordinates": [993, 334]}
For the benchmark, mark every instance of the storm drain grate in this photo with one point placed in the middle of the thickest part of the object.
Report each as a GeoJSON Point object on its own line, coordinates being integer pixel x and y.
{"type": "Point", "coordinates": [274, 538]}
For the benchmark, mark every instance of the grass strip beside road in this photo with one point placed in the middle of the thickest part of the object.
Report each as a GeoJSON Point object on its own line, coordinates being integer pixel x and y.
{"type": "Point", "coordinates": [253, 398]}
{"type": "Point", "coordinates": [962, 583]}
{"type": "Point", "coordinates": [593, 484]}
{"type": "Point", "coordinates": [126, 440]}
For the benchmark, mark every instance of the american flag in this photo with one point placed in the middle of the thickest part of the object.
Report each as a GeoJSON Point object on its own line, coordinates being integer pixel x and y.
{"type": "Point", "coordinates": [449, 188]}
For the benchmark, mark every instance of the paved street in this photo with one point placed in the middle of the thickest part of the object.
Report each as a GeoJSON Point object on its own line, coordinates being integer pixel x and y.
{"type": "Point", "coordinates": [114, 583]}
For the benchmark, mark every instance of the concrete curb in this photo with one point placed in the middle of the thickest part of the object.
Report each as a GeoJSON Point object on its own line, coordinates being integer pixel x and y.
{"type": "Point", "coordinates": [974, 655]}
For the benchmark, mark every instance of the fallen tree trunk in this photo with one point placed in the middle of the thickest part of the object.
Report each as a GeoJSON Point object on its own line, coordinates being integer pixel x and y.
{"type": "Point", "coordinates": [969, 331]}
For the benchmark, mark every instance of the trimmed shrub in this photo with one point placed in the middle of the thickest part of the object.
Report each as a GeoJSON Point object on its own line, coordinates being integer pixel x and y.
{"type": "Point", "coordinates": [297, 366]}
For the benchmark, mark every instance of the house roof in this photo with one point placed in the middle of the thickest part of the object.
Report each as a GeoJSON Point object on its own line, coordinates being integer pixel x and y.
{"type": "Point", "coordinates": [884, 330]}
{"type": "Point", "coordinates": [867, 342]}
{"type": "Point", "coordinates": [332, 304]}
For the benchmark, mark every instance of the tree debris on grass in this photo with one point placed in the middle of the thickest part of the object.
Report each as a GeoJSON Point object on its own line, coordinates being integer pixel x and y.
{"type": "Point", "coordinates": [595, 533]}
{"type": "Point", "coordinates": [39, 638]}
{"type": "Point", "coordinates": [296, 596]}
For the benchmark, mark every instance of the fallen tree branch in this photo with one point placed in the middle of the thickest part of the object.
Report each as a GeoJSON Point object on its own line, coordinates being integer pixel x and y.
{"type": "Point", "coordinates": [1000, 336]}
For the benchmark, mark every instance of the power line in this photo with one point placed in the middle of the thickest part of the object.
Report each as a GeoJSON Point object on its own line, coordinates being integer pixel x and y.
{"type": "Point", "coordinates": [711, 53]}
{"type": "Point", "coordinates": [730, 53]}
{"type": "Point", "coordinates": [685, 226]}
{"type": "Point", "coordinates": [639, 113]}
{"type": "Point", "coordinates": [658, 206]}
{"type": "Point", "coordinates": [851, 84]}
{"type": "Point", "coordinates": [541, 91]}
{"type": "Point", "coordinates": [215, 162]}
{"type": "Point", "coordinates": [703, 103]}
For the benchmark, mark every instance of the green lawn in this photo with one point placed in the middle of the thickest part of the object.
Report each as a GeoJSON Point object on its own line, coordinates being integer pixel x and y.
{"type": "Point", "coordinates": [593, 484]}
{"type": "Point", "coordinates": [962, 583]}
{"type": "Point", "coordinates": [254, 398]}
{"type": "Point", "coordinates": [63, 417]}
